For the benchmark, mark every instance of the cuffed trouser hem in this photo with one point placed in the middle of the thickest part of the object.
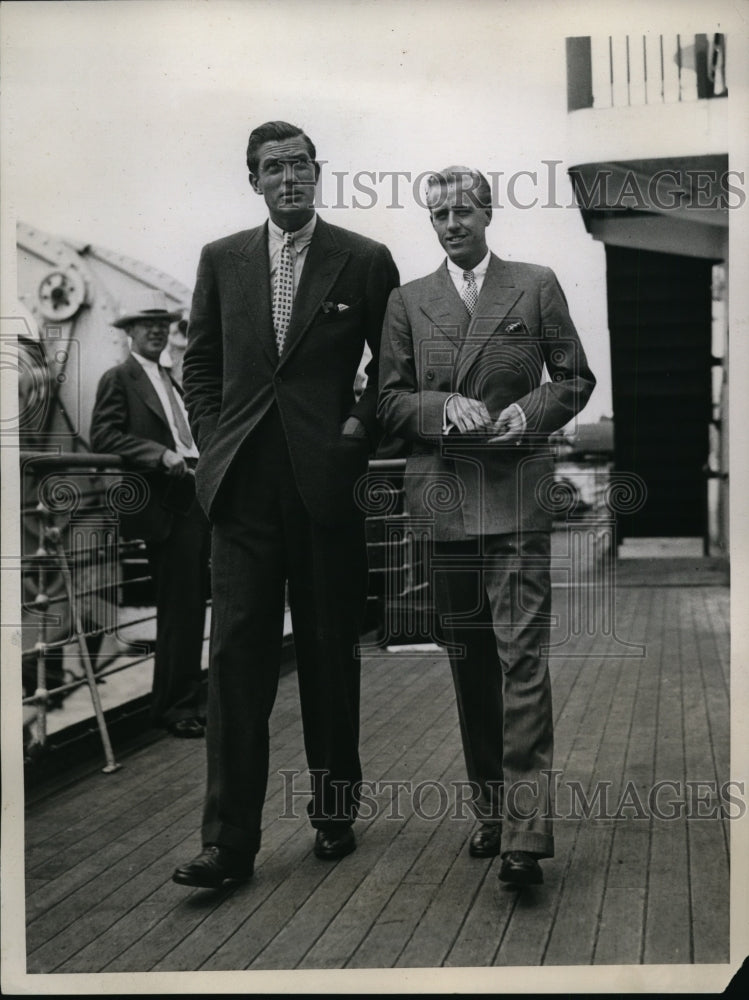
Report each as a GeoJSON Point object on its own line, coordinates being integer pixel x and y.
{"type": "Point", "coordinates": [538, 844]}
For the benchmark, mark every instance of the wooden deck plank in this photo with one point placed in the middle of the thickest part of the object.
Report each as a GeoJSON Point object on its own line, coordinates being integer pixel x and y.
{"type": "Point", "coordinates": [400, 915]}
{"type": "Point", "coordinates": [484, 924]}
{"type": "Point", "coordinates": [294, 882]}
{"type": "Point", "coordinates": [630, 837]}
{"type": "Point", "coordinates": [623, 891]}
{"type": "Point", "coordinates": [625, 876]}
{"type": "Point", "coordinates": [715, 613]}
{"type": "Point", "coordinates": [400, 843]}
{"type": "Point", "coordinates": [456, 892]}
{"type": "Point", "coordinates": [289, 935]}
{"type": "Point", "coordinates": [166, 919]}
{"type": "Point", "coordinates": [46, 863]}
{"type": "Point", "coordinates": [667, 926]}
{"type": "Point", "coordinates": [64, 897]}
{"type": "Point", "coordinates": [385, 940]}
{"type": "Point", "coordinates": [574, 895]}
{"type": "Point", "coordinates": [174, 927]}
{"type": "Point", "coordinates": [420, 713]}
{"type": "Point", "coordinates": [57, 818]}
{"type": "Point", "coordinates": [707, 831]}
{"type": "Point", "coordinates": [88, 919]}
{"type": "Point", "coordinates": [709, 890]}
{"type": "Point", "coordinates": [572, 936]}
{"type": "Point", "coordinates": [216, 914]}
{"type": "Point", "coordinates": [715, 692]}
{"type": "Point", "coordinates": [620, 931]}
{"type": "Point", "coordinates": [97, 857]}
{"type": "Point", "coordinates": [404, 910]}
{"type": "Point", "coordinates": [482, 937]}
{"type": "Point", "coordinates": [182, 794]}
{"type": "Point", "coordinates": [667, 922]}
{"type": "Point", "coordinates": [106, 943]}
{"type": "Point", "coordinates": [164, 929]}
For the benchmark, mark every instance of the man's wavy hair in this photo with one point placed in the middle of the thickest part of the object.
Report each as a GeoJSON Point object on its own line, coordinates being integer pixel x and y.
{"type": "Point", "coordinates": [470, 182]}
{"type": "Point", "coordinates": [274, 132]}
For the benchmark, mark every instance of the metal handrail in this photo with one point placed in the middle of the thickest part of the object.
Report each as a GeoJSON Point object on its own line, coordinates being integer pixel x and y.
{"type": "Point", "coordinates": [50, 557]}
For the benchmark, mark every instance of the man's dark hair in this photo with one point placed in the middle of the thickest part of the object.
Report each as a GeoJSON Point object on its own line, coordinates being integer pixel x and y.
{"type": "Point", "coordinates": [274, 132]}
{"type": "Point", "coordinates": [468, 180]}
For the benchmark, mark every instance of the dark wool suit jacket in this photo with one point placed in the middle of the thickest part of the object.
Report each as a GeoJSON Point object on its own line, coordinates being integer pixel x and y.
{"type": "Point", "coordinates": [232, 375]}
{"type": "Point", "coordinates": [432, 348]}
{"type": "Point", "coordinates": [129, 420]}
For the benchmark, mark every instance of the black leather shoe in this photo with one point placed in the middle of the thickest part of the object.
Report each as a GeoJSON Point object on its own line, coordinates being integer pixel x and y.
{"type": "Point", "coordinates": [520, 868]}
{"type": "Point", "coordinates": [186, 729]}
{"type": "Point", "coordinates": [485, 841]}
{"type": "Point", "coordinates": [214, 868]}
{"type": "Point", "coordinates": [332, 846]}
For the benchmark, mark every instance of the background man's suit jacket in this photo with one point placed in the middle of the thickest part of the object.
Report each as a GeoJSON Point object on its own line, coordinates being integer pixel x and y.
{"type": "Point", "coordinates": [431, 348]}
{"type": "Point", "coordinates": [129, 420]}
{"type": "Point", "coordinates": [232, 374]}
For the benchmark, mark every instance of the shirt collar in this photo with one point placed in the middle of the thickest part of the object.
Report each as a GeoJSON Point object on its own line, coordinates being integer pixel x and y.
{"type": "Point", "coordinates": [147, 364]}
{"type": "Point", "coordinates": [479, 271]}
{"type": "Point", "coordinates": [302, 237]}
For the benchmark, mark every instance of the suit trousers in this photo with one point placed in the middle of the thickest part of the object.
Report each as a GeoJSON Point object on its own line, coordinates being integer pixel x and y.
{"type": "Point", "coordinates": [493, 601]}
{"type": "Point", "coordinates": [179, 568]}
{"type": "Point", "coordinates": [263, 537]}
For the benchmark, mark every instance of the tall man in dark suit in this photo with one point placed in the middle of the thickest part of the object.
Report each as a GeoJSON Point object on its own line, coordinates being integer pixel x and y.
{"type": "Point", "coordinates": [279, 319]}
{"type": "Point", "coordinates": [463, 356]}
{"type": "Point", "coordinates": [139, 415]}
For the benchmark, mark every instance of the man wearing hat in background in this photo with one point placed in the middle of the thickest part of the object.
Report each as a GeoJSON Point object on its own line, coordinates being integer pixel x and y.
{"type": "Point", "coordinates": [139, 415]}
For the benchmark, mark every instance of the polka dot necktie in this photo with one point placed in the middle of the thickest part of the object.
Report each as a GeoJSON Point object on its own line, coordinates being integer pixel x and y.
{"type": "Point", "coordinates": [283, 291]}
{"type": "Point", "coordinates": [469, 292]}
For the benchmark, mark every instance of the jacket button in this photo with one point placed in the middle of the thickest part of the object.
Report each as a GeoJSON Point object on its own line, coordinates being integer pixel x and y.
{"type": "Point", "coordinates": [277, 379]}
{"type": "Point", "coordinates": [430, 375]}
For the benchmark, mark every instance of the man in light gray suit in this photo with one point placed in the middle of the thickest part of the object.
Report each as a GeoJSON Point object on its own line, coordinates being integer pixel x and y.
{"type": "Point", "coordinates": [463, 356]}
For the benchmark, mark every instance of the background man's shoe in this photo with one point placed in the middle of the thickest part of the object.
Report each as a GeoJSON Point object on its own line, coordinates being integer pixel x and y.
{"type": "Point", "coordinates": [332, 846]}
{"type": "Point", "coordinates": [485, 841]}
{"type": "Point", "coordinates": [520, 868]}
{"type": "Point", "coordinates": [214, 868]}
{"type": "Point", "coordinates": [186, 729]}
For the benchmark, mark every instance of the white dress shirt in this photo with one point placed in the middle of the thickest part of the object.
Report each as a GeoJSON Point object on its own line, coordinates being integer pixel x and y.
{"type": "Point", "coordinates": [152, 371]}
{"type": "Point", "coordinates": [299, 248]}
{"type": "Point", "coordinates": [479, 272]}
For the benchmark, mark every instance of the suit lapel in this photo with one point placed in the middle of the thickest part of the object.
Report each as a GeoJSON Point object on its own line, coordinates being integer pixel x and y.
{"type": "Point", "coordinates": [325, 261]}
{"type": "Point", "coordinates": [444, 307]}
{"type": "Point", "coordinates": [253, 277]}
{"type": "Point", "coordinates": [146, 390]}
{"type": "Point", "coordinates": [499, 294]}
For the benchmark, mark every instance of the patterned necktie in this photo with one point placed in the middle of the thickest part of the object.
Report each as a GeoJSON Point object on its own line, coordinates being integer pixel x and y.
{"type": "Point", "coordinates": [183, 431]}
{"type": "Point", "coordinates": [283, 291]}
{"type": "Point", "coordinates": [469, 292]}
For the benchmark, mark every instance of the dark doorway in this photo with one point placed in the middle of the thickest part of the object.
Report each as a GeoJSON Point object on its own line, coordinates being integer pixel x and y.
{"type": "Point", "coordinates": [659, 308]}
